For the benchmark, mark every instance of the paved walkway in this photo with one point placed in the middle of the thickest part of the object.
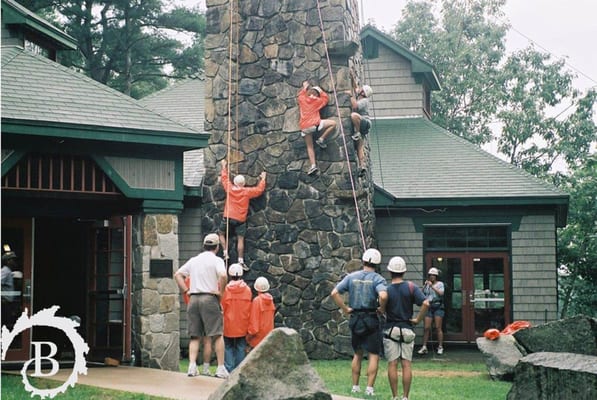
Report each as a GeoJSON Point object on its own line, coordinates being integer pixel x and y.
{"type": "Point", "coordinates": [155, 382]}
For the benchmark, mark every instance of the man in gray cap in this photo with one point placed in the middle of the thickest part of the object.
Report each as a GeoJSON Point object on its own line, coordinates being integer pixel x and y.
{"type": "Point", "coordinates": [204, 312]}
{"type": "Point", "coordinates": [399, 338]}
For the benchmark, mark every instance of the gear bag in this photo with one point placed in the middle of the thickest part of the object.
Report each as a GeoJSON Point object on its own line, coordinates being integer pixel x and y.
{"type": "Point", "coordinates": [362, 323]}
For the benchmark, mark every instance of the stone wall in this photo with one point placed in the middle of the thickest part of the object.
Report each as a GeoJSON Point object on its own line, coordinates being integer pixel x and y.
{"type": "Point", "coordinates": [155, 306]}
{"type": "Point", "coordinates": [304, 229]}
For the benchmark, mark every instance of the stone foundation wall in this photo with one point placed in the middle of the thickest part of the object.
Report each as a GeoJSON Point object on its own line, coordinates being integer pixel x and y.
{"type": "Point", "coordinates": [155, 306]}
{"type": "Point", "coordinates": [305, 229]}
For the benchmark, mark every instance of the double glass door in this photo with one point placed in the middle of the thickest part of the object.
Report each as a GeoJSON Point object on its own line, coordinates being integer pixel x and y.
{"type": "Point", "coordinates": [477, 292]}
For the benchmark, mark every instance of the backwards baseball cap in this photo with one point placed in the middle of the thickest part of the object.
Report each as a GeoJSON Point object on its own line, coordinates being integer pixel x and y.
{"type": "Point", "coordinates": [211, 239]}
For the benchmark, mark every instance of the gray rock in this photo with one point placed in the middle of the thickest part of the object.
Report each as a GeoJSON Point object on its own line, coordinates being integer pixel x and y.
{"type": "Point", "coordinates": [501, 356]}
{"type": "Point", "coordinates": [549, 375]}
{"type": "Point", "coordinates": [572, 335]}
{"type": "Point", "coordinates": [277, 369]}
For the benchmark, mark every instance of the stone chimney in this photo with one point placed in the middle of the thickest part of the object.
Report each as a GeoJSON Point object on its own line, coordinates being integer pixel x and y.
{"type": "Point", "coordinates": [306, 231]}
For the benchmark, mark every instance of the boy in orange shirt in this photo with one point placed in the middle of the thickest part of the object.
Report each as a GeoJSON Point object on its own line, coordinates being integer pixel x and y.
{"type": "Point", "coordinates": [311, 99]}
{"type": "Point", "coordinates": [236, 210]}
{"type": "Point", "coordinates": [236, 306]}
{"type": "Point", "coordinates": [261, 322]}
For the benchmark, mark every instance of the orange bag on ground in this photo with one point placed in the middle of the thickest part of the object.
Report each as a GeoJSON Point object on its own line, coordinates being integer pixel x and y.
{"type": "Point", "coordinates": [515, 326]}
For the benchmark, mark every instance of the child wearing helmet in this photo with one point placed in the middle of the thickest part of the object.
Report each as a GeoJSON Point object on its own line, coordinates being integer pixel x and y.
{"type": "Point", "coordinates": [311, 99]}
{"type": "Point", "coordinates": [236, 209]}
{"type": "Point", "coordinates": [434, 291]}
{"type": "Point", "coordinates": [261, 321]}
{"type": "Point", "coordinates": [361, 123]}
{"type": "Point", "coordinates": [236, 307]}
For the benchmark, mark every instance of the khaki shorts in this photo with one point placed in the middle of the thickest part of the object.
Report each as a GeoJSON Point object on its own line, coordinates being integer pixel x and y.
{"type": "Point", "coordinates": [204, 316]}
{"type": "Point", "coordinates": [314, 129]}
{"type": "Point", "coordinates": [394, 350]}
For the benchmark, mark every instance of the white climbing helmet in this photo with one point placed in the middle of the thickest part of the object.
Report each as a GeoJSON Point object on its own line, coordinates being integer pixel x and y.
{"type": "Point", "coordinates": [367, 90]}
{"type": "Point", "coordinates": [397, 265]}
{"type": "Point", "coordinates": [239, 180]}
{"type": "Point", "coordinates": [235, 270]}
{"type": "Point", "coordinates": [372, 256]}
{"type": "Point", "coordinates": [261, 284]}
{"type": "Point", "coordinates": [433, 271]}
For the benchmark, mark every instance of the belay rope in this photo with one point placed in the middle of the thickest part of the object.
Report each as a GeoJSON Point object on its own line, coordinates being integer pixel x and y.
{"type": "Point", "coordinates": [233, 23]}
{"type": "Point", "coordinates": [352, 184]}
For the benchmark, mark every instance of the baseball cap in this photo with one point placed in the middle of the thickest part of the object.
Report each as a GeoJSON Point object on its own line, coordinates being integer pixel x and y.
{"type": "Point", "coordinates": [211, 239]}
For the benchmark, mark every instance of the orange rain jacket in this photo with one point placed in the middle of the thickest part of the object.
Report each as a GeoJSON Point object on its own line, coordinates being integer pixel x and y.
{"type": "Point", "coordinates": [261, 322]}
{"type": "Point", "coordinates": [237, 203]}
{"type": "Point", "coordinates": [236, 305]}
{"type": "Point", "coordinates": [309, 108]}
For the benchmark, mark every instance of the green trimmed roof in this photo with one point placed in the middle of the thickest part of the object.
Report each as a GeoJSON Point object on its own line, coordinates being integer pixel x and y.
{"type": "Point", "coordinates": [41, 93]}
{"type": "Point", "coordinates": [419, 66]}
{"type": "Point", "coordinates": [15, 14]}
{"type": "Point", "coordinates": [423, 164]}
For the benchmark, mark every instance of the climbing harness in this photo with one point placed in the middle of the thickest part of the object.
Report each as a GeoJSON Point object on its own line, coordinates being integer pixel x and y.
{"type": "Point", "coordinates": [333, 85]}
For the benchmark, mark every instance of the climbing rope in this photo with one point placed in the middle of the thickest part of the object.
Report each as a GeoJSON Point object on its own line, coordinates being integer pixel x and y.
{"type": "Point", "coordinates": [233, 23]}
{"type": "Point", "coordinates": [352, 183]}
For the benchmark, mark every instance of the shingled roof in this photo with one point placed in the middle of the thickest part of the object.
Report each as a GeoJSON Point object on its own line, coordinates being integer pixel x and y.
{"type": "Point", "coordinates": [417, 163]}
{"type": "Point", "coordinates": [41, 92]}
{"type": "Point", "coordinates": [185, 102]}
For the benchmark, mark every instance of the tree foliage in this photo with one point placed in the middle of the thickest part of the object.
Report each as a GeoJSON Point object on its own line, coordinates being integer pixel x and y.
{"type": "Point", "coordinates": [577, 242]}
{"type": "Point", "coordinates": [132, 46]}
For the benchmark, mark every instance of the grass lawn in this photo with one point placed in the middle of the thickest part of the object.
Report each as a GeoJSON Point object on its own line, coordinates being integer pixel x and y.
{"type": "Point", "coordinates": [432, 379]}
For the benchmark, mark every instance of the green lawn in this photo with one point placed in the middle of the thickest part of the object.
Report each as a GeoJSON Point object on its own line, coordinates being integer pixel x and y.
{"type": "Point", "coordinates": [432, 379]}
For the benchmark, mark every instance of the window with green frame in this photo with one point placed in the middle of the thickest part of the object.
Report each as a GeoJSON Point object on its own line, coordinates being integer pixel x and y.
{"type": "Point", "coordinates": [467, 237]}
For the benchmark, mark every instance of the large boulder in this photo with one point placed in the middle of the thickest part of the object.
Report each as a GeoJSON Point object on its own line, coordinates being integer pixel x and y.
{"type": "Point", "coordinates": [549, 375]}
{"type": "Point", "coordinates": [572, 335]}
{"type": "Point", "coordinates": [277, 369]}
{"type": "Point", "coordinates": [501, 356]}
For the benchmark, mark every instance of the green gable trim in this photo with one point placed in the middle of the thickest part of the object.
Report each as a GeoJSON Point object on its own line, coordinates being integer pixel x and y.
{"type": "Point", "coordinates": [182, 141]}
{"type": "Point", "coordinates": [162, 207]}
{"type": "Point", "coordinates": [513, 221]}
{"type": "Point", "coordinates": [11, 161]}
{"type": "Point", "coordinates": [419, 66]}
{"type": "Point", "coordinates": [15, 14]}
{"type": "Point", "coordinates": [136, 193]}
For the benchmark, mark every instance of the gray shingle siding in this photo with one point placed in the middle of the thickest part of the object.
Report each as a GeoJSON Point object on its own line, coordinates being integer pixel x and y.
{"type": "Point", "coordinates": [534, 270]}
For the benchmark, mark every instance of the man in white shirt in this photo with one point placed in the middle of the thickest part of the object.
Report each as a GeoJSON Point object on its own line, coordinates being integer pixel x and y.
{"type": "Point", "coordinates": [204, 312]}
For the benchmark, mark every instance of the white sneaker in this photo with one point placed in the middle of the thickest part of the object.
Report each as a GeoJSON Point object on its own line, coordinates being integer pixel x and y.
{"type": "Point", "coordinates": [369, 391]}
{"type": "Point", "coordinates": [221, 372]}
{"type": "Point", "coordinates": [192, 370]}
{"type": "Point", "coordinates": [356, 137]}
{"type": "Point", "coordinates": [440, 350]}
{"type": "Point", "coordinates": [312, 170]}
{"type": "Point", "coordinates": [355, 389]}
{"type": "Point", "coordinates": [205, 371]}
{"type": "Point", "coordinates": [422, 350]}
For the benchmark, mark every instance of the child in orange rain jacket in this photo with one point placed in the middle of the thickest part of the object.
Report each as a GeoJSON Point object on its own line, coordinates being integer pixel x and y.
{"type": "Point", "coordinates": [236, 209]}
{"type": "Point", "coordinates": [236, 306]}
{"type": "Point", "coordinates": [261, 322]}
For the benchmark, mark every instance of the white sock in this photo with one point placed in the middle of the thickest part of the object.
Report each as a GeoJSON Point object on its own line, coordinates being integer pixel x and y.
{"type": "Point", "coordinates": [206, 365]}
{"type": "Point", "coordinates": [241, 260]}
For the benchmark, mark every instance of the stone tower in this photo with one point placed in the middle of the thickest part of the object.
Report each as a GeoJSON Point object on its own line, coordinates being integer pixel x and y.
{"type": "Point", "coordinates": [305, 232]}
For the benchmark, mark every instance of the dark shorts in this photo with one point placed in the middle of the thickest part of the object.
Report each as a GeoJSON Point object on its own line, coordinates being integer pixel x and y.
{"type": "Point", "coordinates": [204, 316]}
{"type": "Point", "coordinates": [235, 227]}
{"type": "Point", "coordinates": [365, 125]}
{"type": "Point", "coordinates": [435, 311]}
{"type": "Point", "coordinates": [371, 341]}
